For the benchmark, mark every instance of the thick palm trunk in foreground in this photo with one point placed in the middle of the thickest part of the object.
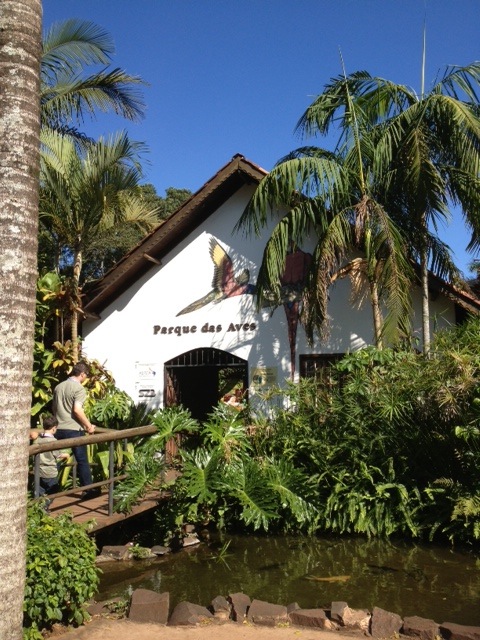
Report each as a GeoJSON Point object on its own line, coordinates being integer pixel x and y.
{"type": "Point", "coordinates": [20, 50]}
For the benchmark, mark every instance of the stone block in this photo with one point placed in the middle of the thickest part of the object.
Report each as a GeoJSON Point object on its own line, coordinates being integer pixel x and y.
{"type": "Point", "coordinates": [159, 550]}
{"type": "Point", "coordinates": [385, 624]}
{"type": "Point", "coordinates": [149, 606]}
{"type": "Point", "coordinates": [452, 631]}
{"type": "Point", "coordinates": [240, 604]}
{"type": "Point", "coordinates": [186, 613]}
{"type": "Point", "coordinates": [117, 552]}
{"type": "Point", "coordinates": [311, 618]}
{"type": "Point", "coordinates": [221, 608]}
{"type": "Point", "coordinates": [422, 628]}
{"type": "Point", "coordinates": [190, 540]}
{"type": "Point", "coordinates": [356, 619]}
{"type": "Point", "coordinates": [266, 613]}
{"type": "Point", "coordinates": [97, 608]}
{"type": "Point", "coordinates": [337, 610]}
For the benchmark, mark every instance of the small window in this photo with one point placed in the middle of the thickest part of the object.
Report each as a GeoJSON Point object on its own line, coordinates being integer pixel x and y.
{"type": "Point", "coordinates": [318, 366]}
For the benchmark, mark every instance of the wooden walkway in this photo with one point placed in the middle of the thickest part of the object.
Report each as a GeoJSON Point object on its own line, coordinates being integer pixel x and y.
{"type": "Point", "coordinates": [96, 509]}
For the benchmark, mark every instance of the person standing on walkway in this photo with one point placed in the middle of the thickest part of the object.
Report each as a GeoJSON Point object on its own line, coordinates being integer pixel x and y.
{"type": "Point", "coordinates": [48, 460]}
{"type": "Point", "coordinates": [68, 400]}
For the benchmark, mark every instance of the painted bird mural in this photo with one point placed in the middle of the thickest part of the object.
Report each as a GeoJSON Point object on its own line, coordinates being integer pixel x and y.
{"type": "Point", "coordinates": [224, 284]}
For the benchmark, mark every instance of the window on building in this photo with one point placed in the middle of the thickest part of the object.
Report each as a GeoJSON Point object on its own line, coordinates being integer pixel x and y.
{"type": "Point", "coordinates": [318, 366]}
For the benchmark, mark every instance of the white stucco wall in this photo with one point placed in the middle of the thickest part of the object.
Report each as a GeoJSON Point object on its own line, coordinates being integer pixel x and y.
{"type": "Point", "coordinates": [140, 331]}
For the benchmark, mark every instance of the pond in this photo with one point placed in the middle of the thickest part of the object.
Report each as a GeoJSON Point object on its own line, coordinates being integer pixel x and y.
{"type": "Point", "coordinates": [409, 579]}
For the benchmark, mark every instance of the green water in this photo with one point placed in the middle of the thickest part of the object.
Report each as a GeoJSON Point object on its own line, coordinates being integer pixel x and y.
{"type": "Point", "coordinates": [429, 581]}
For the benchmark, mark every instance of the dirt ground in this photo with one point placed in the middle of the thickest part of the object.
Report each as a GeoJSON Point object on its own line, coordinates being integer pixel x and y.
{"type": "Point", "coordinates": [106, 629]}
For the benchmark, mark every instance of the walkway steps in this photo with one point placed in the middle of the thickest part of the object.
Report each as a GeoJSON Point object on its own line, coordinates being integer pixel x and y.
{"type": "Point", "coordinates": [97, 509]}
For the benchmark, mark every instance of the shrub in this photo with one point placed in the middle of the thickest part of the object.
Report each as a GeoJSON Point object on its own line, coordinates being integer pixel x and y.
{"type": "Point", "coordinates": [61, 575]}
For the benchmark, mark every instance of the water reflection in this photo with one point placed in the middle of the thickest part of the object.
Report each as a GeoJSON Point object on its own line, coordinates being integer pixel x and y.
{"type": "Point", "coordinates": [428, 581]}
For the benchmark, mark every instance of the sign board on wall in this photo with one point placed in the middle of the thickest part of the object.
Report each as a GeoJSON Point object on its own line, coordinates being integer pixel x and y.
{"type": "Point", "coordinates": [146, 379]}
{"type": "Point", "coordinates": [263, 377]}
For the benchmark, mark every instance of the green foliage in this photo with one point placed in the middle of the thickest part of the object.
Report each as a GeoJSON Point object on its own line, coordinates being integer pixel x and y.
{"type": "Point", "coordinates": [171, 422]}
{"type": "Point", "coordinates": [61, 573]}
{"type": "Point", "coordinates": [116, 410]}
{"type": "Point", "coordinates": [167, 205]}
{"type": "Point", "coordinates": [54, 364]}
{"type": "Point", "coordinates": [392, 439]}
{"type": "Point", "coordinates": [43, 378]}
{"type": "Point", "coordinates": [386, 442]}
{"type": "Point", "coordinates": [144, 471]}
{"type": "Point", "coordinates": [219, 481]}
{"type": "Point", "coordinates": [112, 410]}
{"type": "Point", "coordinates": [225, 431]}
{"type": "Point", "coordinates": [148, 462]}
{"type": "Point", "coordinates": [140, 553]}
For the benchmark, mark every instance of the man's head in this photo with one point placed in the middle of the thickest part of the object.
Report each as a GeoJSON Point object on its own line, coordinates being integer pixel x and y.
{"type": "Point", "coordinates": [80, 370]}
{"type": "Point", "coordinates": [50, 423]}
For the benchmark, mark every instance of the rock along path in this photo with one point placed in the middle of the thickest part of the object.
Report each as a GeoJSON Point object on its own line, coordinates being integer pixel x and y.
{"type": "Point", "coordinates": [108, 629]}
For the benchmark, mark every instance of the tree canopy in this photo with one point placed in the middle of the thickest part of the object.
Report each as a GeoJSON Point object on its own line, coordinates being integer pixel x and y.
{"type": "Point", "coordinates": [399, 161]}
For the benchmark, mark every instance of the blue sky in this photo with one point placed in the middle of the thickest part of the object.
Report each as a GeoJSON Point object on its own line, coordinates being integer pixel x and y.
{"type": "Point", "coordinates": [234, 76]}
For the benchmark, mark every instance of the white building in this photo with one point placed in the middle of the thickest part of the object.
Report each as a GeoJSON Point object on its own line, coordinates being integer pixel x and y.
{"type": "Point", "coordinates": [175, 319]}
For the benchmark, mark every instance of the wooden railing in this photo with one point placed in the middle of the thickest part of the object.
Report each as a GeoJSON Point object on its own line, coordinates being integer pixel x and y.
{"type": "Point", "coordinates": [103, 435]}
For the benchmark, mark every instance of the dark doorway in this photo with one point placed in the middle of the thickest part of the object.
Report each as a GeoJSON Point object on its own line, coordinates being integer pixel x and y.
{"type": "Point", "coordinates": [200, 378]}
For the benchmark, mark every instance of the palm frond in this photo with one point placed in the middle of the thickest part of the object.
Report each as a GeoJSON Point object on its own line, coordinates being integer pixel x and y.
{"type": "Point", "coordinates": [74, 43]}
{"type": "Point", "coordinates": [67, 94]}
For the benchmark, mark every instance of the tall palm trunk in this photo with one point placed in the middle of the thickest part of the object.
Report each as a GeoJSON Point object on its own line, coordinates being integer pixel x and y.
{"type": "Point", "coordinates": [424, 289]}
{"type": "Point", "coordinates": [376, 313]}
{"type": "Point", "coordinates": [425, 303]}
{"type": "Point", "coordinates": [77, 270]}
{"type": "Point", "coordinates": [20, 52]}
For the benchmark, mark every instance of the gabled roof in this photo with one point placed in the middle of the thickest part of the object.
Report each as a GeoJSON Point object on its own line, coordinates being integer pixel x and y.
{"type": "Point", "coordinates": [464, 298]}
{"type": "Point", "coordinates": [150, 251]}
{"type": "Point", "coordinates": [222, 186]}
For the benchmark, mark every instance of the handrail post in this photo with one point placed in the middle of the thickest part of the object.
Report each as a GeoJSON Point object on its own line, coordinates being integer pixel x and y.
{"type": "Point", "coordinates": [36, 477]}
{"type": "Point", "coordinates": [109, 436]}
{"type": "Point", "coordinates": [74, 472]}
{"type": "Point", "coordinates": [111, 468]}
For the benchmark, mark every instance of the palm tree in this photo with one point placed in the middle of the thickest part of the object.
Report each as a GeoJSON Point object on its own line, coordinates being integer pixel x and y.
{"type": "Point", "coordinates": [337, 198]}
{"type": "Point", "coordinates": [85, 192]}
{"type": "Point", "coordinates": [67, 95]}
{"type": "Point", "coordinates": [20, 51]}
{"type": "Point", "coordinates": [428, 150]}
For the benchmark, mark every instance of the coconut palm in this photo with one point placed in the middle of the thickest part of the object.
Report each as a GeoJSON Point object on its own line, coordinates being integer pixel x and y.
{"type": "Point", "coordinates": [335, 197]}
{"type": "Point", "coordinates": [67, 94]}
{"type": "Point", "coordinates": [20, 50]}
{"type": "Point", "coordinates": [87, 191]}
{"type": "Point", "coordinates": [427, 148]}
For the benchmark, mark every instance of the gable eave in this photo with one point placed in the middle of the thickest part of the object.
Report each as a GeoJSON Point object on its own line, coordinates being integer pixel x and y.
{"type": "Point", "coordinates": [150, 251]}
{"type": "Point", "coordinates": [463, 298]}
